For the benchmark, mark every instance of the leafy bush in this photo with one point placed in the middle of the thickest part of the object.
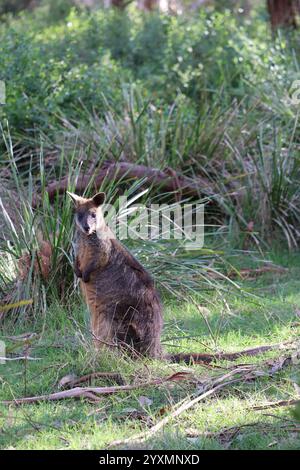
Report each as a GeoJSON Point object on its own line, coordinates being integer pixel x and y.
{"type": "Point", "coordinates": [37, 237]}
{"type": "Point", "coordinates": [165, 55]}
{"type": "Point", "coordinates": [13, 6]}
{"type": "Point", "coordinates": [207, 94]}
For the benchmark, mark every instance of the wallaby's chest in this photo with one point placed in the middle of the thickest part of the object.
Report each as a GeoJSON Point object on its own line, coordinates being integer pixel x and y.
{"type": "Point", "coordinates": [85, 252]}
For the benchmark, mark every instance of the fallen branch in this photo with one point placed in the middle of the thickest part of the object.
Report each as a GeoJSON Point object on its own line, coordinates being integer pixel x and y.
{"type": "Point", "coordinates": [168, 180]}
{"type": "Point", "coordinates": [93, 393]}
{"type": "Point", "coordinates": [207, 358]}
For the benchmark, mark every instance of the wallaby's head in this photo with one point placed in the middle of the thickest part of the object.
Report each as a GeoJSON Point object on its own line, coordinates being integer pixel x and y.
{"type": "Point", "coordinates": [88, 212]}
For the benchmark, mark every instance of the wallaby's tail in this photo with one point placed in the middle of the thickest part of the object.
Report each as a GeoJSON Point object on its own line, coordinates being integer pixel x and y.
{"type": "Point", "coordinates": [207, 358]}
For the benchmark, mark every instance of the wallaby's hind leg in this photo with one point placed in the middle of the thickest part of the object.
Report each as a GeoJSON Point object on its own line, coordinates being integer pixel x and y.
{"type": "Point", "coordinates": [150, 338]}
{"type": "Point", "coordinates": [148, 345]}
{"type": "Point", "coordinates": [137, 341]}
{"type": "Point", "coordinates": [102, 330]}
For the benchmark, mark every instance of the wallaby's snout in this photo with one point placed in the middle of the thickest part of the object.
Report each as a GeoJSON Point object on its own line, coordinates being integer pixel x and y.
{"type": "Point", "coordinates": [86, 212]}
{"type": "Point", "coordinates": [86, 228]}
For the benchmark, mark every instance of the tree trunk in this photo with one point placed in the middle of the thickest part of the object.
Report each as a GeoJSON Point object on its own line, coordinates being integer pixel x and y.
{"type": "Point", "coordinates": [150, 5]}
{"type": "Point", "coordinates": [120, 4]}
{"type": "Point", "coordinates": [283, 12]}
{"type": "Point", "coordinates": [14, 6]}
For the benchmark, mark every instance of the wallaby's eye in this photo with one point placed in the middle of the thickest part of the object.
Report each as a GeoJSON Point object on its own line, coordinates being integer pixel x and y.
{"type": "Point", "coordinates": [93, 215]}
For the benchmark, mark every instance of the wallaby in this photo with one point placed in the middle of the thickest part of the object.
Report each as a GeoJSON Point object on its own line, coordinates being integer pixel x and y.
{"type": "Point", "coordinates": [125, 307]}
{"type": "Point", "coordinates": [124, 304]}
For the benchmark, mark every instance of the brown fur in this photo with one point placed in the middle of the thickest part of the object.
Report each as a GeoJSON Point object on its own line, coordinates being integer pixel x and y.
{"type": "Point", "coordinates": [124, 304]}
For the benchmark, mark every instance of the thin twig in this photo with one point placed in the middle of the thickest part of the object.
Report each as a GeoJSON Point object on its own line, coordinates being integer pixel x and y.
{"type": "Point", "coordinates": [276, 404]}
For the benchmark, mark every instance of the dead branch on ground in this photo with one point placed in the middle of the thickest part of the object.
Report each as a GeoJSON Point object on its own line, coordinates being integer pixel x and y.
{"type": "Point", "coordinates": [94, 393]}
{"type": "Point", "coordinates": [168, 180]}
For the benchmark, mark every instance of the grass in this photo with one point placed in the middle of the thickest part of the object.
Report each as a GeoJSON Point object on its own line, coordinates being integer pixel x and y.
{"type": "Point", "coordinates": [62, 343]}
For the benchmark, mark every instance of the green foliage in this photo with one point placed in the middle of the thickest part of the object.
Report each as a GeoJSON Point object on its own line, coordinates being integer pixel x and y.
{"type": "Point", "coordinates": [208, 94]}
{"type": "Point", "coordinates": [196, 56]}
{"type": "Point", "coordinates": [58, 9]}
{"type": "Point", "coordinates": [297, 412]}
{"type": "Point", "coordinates": [31, 219]}
{"type": "Point", "coordinates": [13, 6]}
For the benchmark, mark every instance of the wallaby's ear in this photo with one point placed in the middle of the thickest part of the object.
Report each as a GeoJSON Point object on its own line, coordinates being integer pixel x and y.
{"type": "Point", "coordinates": [99, 199]}
{"type": "Point", "coordinates": [76, 199]}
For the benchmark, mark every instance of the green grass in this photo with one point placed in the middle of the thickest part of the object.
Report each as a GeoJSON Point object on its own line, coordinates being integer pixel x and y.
{"type": "Point", "coordinates": [62, 342]}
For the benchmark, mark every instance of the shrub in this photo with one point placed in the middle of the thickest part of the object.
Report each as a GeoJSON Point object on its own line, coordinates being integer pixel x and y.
{"type": "Point", "coordinates": [205, 94]}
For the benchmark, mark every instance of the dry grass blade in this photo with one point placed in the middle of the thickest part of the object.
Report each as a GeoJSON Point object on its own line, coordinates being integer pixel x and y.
{"type": "Point", "coordinates": [276, 404]}
{"type": "Point", "coordinates": [7, 307]}
{"type": "Point", "coordinates": [225, 434]}
{"type": "Point", "coordinates": [250, 273]}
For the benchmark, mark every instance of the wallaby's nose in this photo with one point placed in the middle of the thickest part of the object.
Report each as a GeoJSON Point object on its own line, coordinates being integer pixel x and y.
{"type": "Point", "coordinates": [86, 228]}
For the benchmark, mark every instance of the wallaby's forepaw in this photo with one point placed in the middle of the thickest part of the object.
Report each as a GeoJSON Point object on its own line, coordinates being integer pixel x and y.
{"type": "Point", "coordinates": [85, 277]}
